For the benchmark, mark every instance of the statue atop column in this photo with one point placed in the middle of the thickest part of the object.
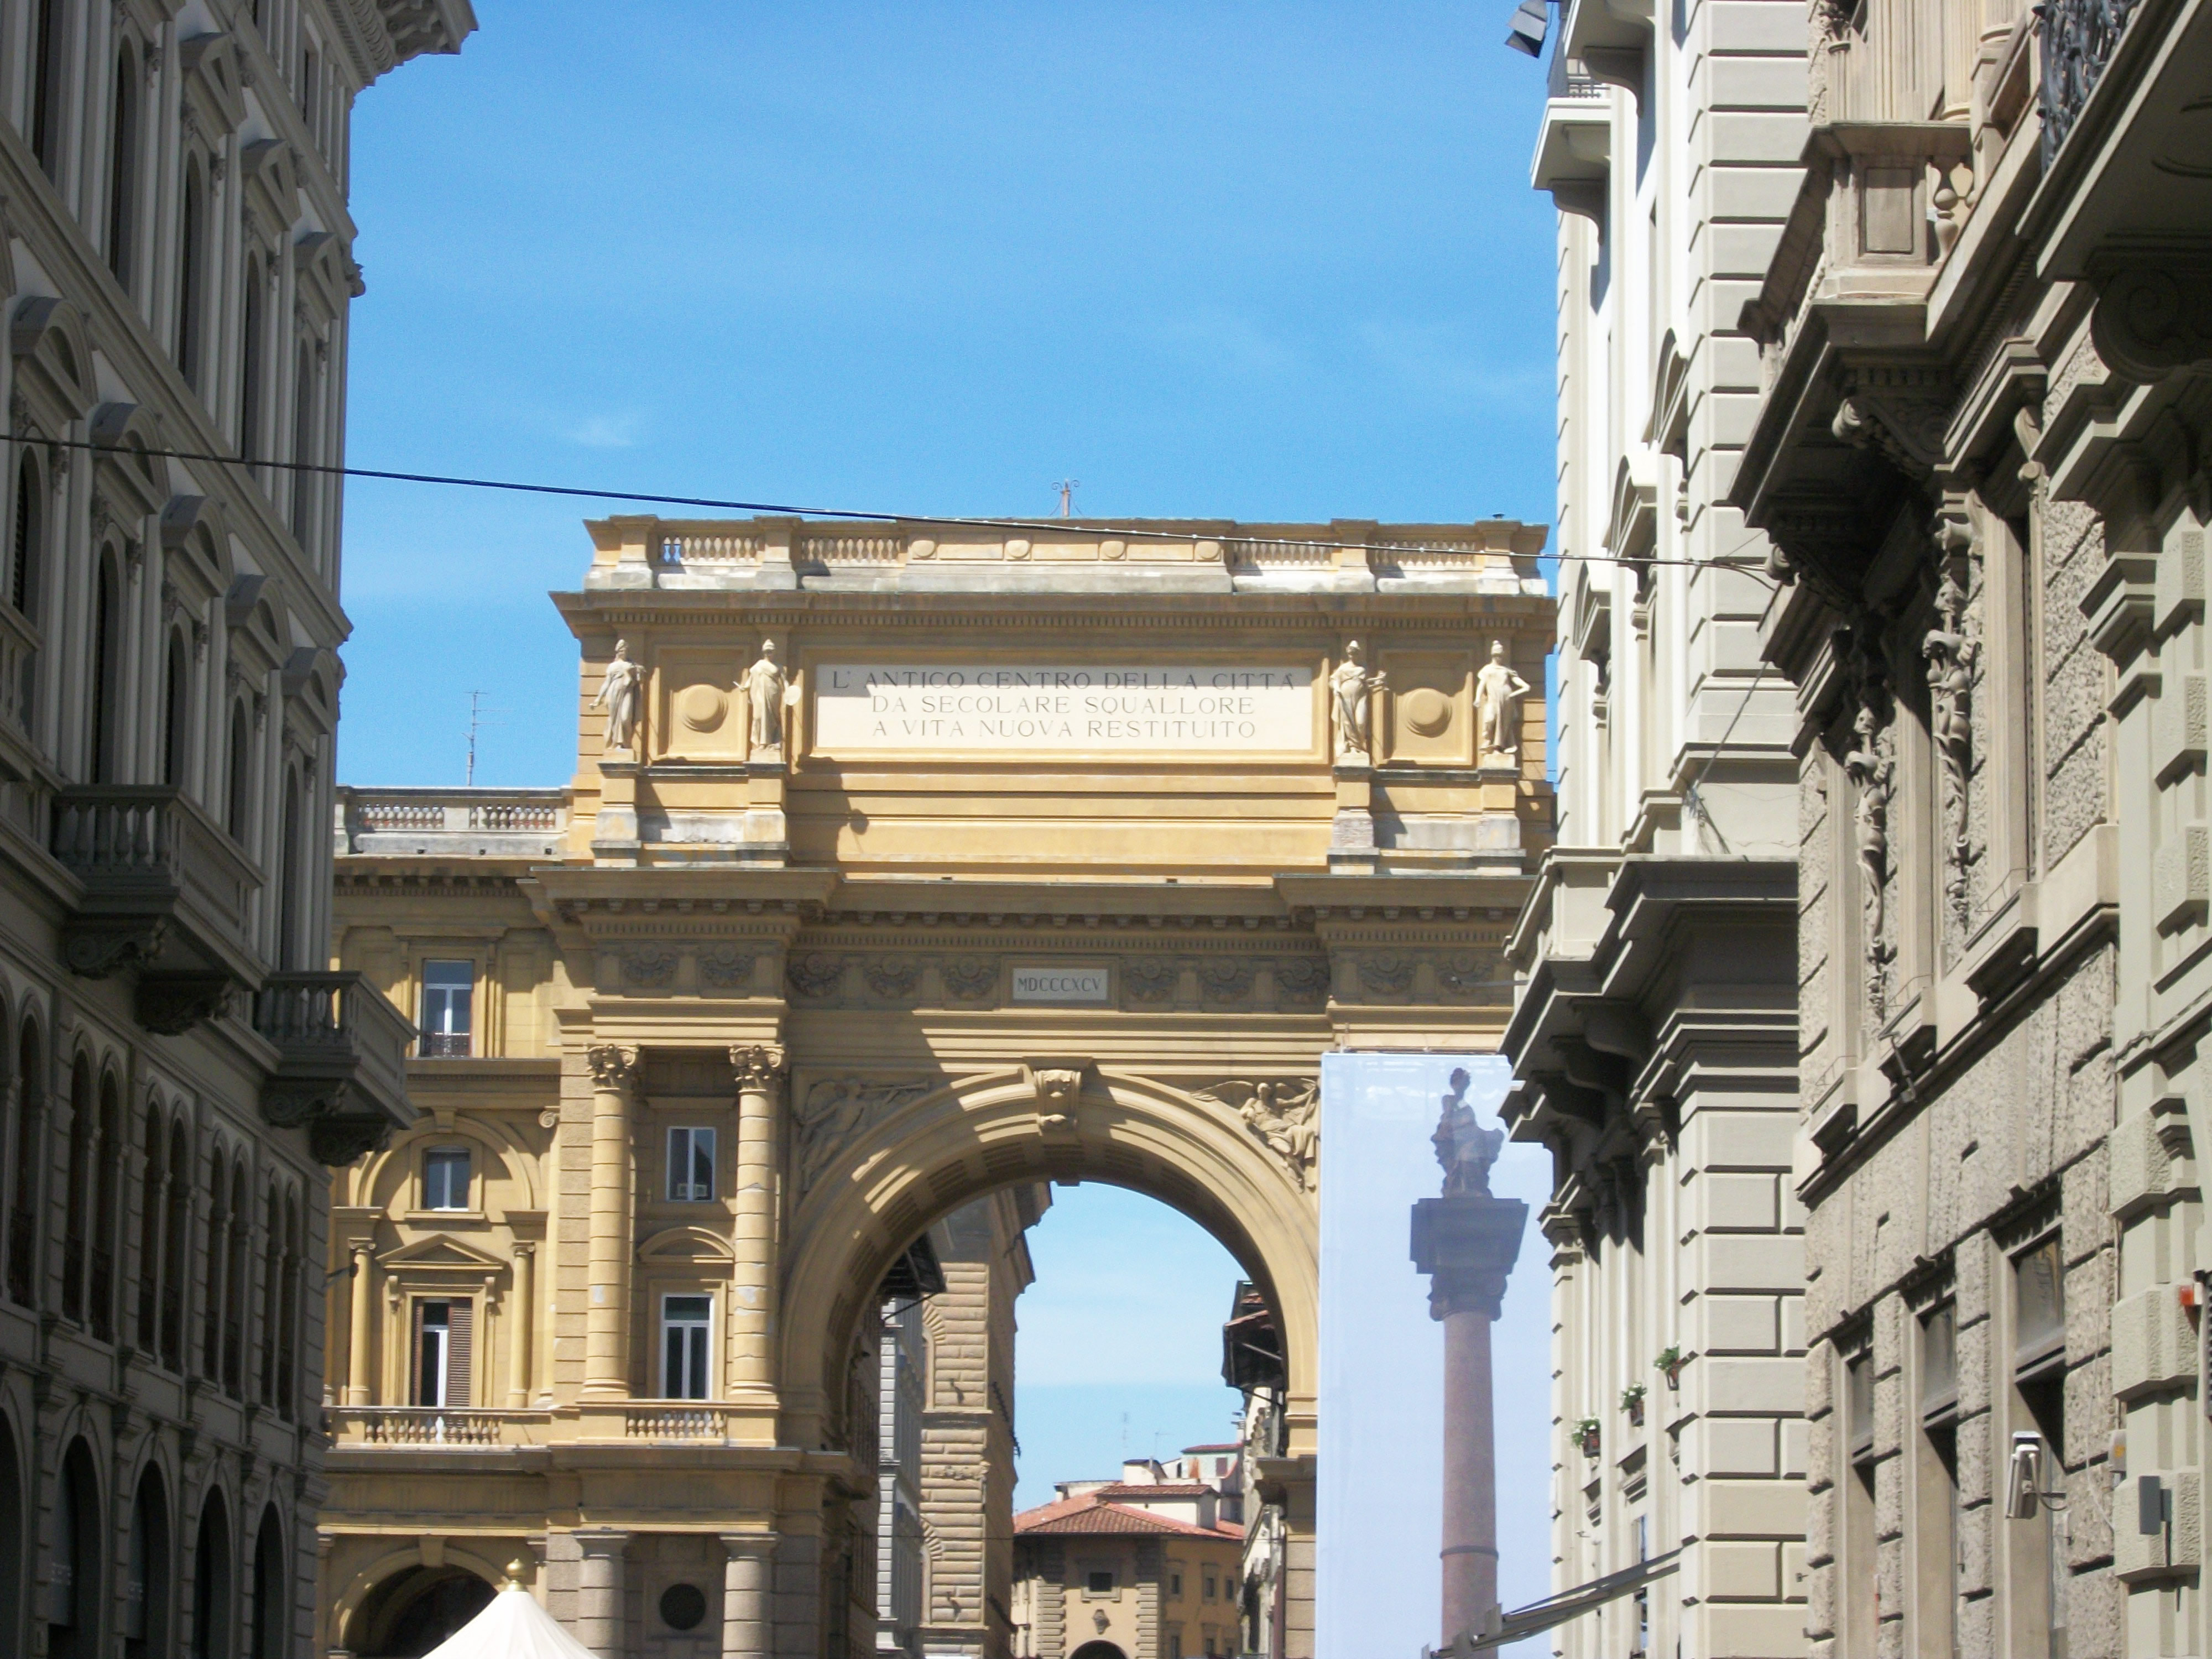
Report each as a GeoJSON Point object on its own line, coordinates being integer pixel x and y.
{"type": "Point", "coordinates": [1497, 694]}
{"type": "Point", "coordinates": [622, 693]}
{"type": "Point", "coordinates": [1352, 689]}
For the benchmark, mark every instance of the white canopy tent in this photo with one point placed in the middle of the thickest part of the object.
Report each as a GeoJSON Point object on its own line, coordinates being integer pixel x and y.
{"type": "Point", "coordinates": [512, 1627]}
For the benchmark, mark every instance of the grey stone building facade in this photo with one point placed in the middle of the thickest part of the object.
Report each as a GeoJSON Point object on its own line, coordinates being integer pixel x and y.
{"type": "Point", "coordinates": [1654, 1038]}
{"type": "Point", "coordinates": [175, 1070]}
{"type": "Point", "coordinates": [1979, 457]}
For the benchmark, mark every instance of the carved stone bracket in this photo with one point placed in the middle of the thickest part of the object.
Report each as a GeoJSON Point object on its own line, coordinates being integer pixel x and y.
{"type": "Point", "coordinates": [1953, 653]}
{"type": "Point", "coordinates": [1058, 1087]}
{"type": "Point", "coordinates": [1902, 418]}
{"type": "Point", "coordinates": [94, 950]}
{"type": "Point", "coordinates": [2153, 314]}
{"type": "Point", "coordinates": [173, 1003]}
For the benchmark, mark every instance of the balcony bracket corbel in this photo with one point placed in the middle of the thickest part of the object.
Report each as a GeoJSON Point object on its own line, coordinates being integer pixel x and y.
{"type": "Point", "coordinates": [171, 1004]}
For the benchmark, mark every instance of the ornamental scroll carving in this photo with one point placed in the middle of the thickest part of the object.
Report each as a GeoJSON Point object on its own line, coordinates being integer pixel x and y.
{"type": "Point", "coordinates": [835, 1113]}
{"type": "Point", "coordinates": [1283, 1116]}
{"type": "Point", "coordinates": [1871, 765]}
{"type": "Point", "coordinates": [1953, 654]}
{"type": "Point", "coordinates": [724, 966]}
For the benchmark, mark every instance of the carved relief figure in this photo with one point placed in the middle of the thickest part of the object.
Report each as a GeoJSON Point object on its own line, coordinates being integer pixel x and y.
{"type": "Point", "coordinates": [764, 687]}
{"type": "Point", "coordinates": [1952, 654]}
{"type": "Point", "coordinates": [1870, 768]}
{"type": "Point", "coordinates": [1286, 1117]}
{"type": "Point", "coordinates": [622, 692]}
{"type": "Point", "coordinates": [1352, 689]}
{"type": "Point", "coordinates": [833, 1112]}
{"type": "Point", "coordinates": [1497, 694]}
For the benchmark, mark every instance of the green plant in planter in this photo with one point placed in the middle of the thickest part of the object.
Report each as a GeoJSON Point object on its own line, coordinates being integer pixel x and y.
{"type": "Point", "coordinates": [1587, 1432]}
{"type": "Point", "coordinates": [1631, 1402]}
{"type": "Point", "coordinates": [1671, 1362]}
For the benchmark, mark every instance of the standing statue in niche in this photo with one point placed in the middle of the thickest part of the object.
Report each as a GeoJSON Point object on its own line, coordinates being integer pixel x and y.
{"type": "Point", "coordinates": [764, 686]}
{"type": "Point", "coordinates": [1352, 689]}
{"type": "Point", "coordinates": [1497, 694]}
{"type": "Point", "coordinates": [620, 692]}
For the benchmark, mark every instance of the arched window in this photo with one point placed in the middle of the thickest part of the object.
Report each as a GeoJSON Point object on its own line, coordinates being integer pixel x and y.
{"type": "Point", "coordinates": [16, 1529]}
{"type": "Point", "coordinates": [211, 1583]}
{"type": "Point", "coordinates": [123, 167]}
{"type": "Point", "coordinates": [272, 1287]}
{"type": "Point", "coordinates": [176, 1256]}
{"type": "Point", "coordinates": [241, 774]}
{"type": "Point", "coordinates": [288, 1333]}
{"type": "Point", "coordinates": [250, 374]}
{"type": "Point", "coordinates": [177, 713]}
{"type": "Point", "coordinates": [192, 260]}
{"type": "Point", "coordinates": [271, 1603]}
{"type": "Point", "coordinates": [146, 1584]}
{"type": "Point", "coordinates": [303, 444]}
{"type": "Point", "coordinates": [218, 1236]}
{"type": "Point", "coordinates": [73, 1587]}
{"type": "Point", "coordinates": [236, 1273]}
{"type": "Point", "coordinates": [74, 1222]}
{"type": "Point", "coordinates": [49, 65]}
{"type": "Point", "coordinates": [24, 1212]}
{"type": "Point", "coordinates": [289, 898]}
{"type": "Point", "coordinates": [106, 676]}
{"type": "Point", "coordinates": [27, 541]}
{"type": "Point", "coordinates": [150, 1236]}
{"type": "Point", "coordinates": [108, 1210]}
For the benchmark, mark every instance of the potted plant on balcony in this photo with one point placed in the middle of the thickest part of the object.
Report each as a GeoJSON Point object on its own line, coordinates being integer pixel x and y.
{"type": "Point", "coordinates": [1669, 1364]}
{"type": "Point", "coordinates": [1586, 1435]}
{"type": "Point", "coordinates": [1631, 1402]}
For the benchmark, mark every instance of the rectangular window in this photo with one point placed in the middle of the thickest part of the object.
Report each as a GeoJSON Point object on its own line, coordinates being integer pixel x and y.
{"type": "Point", "coordinates": [1099, 1583]}
{"type": "Point", "coordinates": [691, 1165]}
{"type": "Point", "coordinates": [1175, 1586]}
{"type": "Point", "coordinates": [442, 1352]}
{"type": "Point", "coordinates": [1935, 1485]}
{"type": "Point", "coordinates": [685, 1322]}
{"type": "Point", "coordinates": [1212, 1590]}
{"type": "Point", "coordinates": [446, 992]}
{"type": "Point", "coordinates": [446, 1178]}
{"type": "Point", "coordinates": [1175, 1642]}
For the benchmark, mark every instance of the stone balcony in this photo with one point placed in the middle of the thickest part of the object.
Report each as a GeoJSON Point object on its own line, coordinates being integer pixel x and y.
{"type": "Point", "coordinates": [342, 1066]}
{"type": "Point", "coordinates": [160, 889]}
{"type": "Point", "coordinates": [637, 1423]}
{"type": "Point", "coordinates": [524, 824]}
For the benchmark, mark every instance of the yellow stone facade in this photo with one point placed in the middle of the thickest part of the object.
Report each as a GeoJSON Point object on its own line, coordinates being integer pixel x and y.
{"type": "Point", "coordinates": [916, 863]}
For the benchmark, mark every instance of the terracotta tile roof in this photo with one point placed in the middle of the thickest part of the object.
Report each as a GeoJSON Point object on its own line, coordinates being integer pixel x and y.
{"type": "Point", "coordinates": [1088, 1514]}
{"type": "Point", "coordinates": [1230, 1446]}
{"type": "Point", "coordinates": [1137, 1493]}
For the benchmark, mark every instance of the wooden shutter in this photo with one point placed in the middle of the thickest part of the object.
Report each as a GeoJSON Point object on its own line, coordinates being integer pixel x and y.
{"type": "Point", "coordinates": [461, 1345]}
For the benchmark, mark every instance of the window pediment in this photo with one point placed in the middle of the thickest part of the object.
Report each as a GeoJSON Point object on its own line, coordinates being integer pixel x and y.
{"type": "Point", "coordinates": [126, 471]}
{"type": "Point", "coordinates": [53, 360]}
{"type": "Point", "coordinates": [689, 1247]}
{"type": "Point", "coordinates": [441, 1253]}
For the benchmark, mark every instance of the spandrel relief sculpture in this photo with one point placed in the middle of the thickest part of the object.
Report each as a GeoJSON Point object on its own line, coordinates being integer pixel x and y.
{"type": "Point", "coordinates": [622, 694]}
{"type": "Point", "coordinates": [1497, 694]}
{"type": "Point", "coordinates": [1286, 1116]}
{"type": "Point", "coordinates": [835, 1112]}
{"type": "Point", "coordinates": [1351, 705]}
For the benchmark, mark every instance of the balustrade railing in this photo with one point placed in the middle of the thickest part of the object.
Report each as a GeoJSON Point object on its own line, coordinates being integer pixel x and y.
{"type": "Point", "coordinates": [674, 1423]}
{"type": "Point", "coordinates": [337, 1015]}
{"type": "Point", "coordinates": [2079, 39]}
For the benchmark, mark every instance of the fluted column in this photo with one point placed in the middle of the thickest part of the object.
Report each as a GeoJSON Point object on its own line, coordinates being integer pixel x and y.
{"type": "Point", "coordinates": [759, 1072]}
{"type": "Point", "coordinates": [518, 1320]}
{"type": "Point", "coordinates": [599, 1589]}
{"type": "Point", "coordinates": [606, 1322]}
{"type": "Point", "coordinates": [747, 1583]}
{"type": "Point", "coordinates": [363, 1295]}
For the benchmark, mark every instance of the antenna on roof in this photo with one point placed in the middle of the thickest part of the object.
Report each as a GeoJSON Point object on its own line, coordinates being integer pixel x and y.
{"type": "Point", "coordinates": [1067, 487]}
{"type": "Point", "coordinates": [475, 719]}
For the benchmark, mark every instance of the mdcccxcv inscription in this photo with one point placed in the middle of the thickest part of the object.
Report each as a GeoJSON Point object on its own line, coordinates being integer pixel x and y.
{"type": "Point", "coordinates": [1211, 708]}
{"type": "Point", "coordinates": [1071, 985]}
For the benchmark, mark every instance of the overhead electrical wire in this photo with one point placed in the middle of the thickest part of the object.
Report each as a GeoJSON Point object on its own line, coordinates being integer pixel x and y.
{"type": "Point", "coordinates": [785, 509]}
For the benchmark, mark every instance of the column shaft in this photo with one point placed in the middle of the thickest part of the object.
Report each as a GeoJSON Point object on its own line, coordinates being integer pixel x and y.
{"type": "Point", "coordinates": [747, 1585]}
{"type": "Point", "coordinates": [518, 1319]}
{"type": "Point", "coordinates": [362, 1293]}
{"type": "Point", "coordinates": [752, 1306]}
{"type": "Point", "coordinates": [1470, 1528]}
{"type": "Point", "coordinates": [606, 1321]}
{"type": "Point", "coordinates": [599, 1593]}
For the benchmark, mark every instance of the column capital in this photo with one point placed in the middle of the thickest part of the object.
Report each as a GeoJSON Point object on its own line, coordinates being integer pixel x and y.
{"type": "Point", "coordinates": [614, 1067]}
{"type": "Point", "coordinates": [749, 1546]}
{"type": "Point", "coordinates": [760, 1067]}
{"type": "Point", "coordinates": [601, 1540]}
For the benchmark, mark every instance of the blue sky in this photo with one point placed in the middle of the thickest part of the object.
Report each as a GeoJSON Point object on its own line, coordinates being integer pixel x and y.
{"type": "Point", "coordinates": [1273, 261]}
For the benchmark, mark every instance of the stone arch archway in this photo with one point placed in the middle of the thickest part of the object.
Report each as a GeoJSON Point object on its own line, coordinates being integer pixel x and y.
{"type": "Point", "coordinates": [1061, 1121]}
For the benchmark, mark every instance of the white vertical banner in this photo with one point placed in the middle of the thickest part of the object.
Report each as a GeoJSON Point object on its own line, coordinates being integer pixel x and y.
{"type": "Point", "coordinates": [1379, 1525]}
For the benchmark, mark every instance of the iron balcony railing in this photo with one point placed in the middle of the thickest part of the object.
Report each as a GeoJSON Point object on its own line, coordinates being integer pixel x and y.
{"type": "Point", "coordinates": [2079, 39]}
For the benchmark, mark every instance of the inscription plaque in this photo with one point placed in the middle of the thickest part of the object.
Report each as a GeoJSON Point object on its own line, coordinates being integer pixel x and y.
{"type": "Point", "coordinates": [1210, 709]}
{"type": "Point", "coordinates": [1060, 985]}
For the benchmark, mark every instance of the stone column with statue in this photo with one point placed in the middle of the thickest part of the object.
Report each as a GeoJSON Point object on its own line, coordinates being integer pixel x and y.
{"type": "Point", "coordinates": [1467, 1240]}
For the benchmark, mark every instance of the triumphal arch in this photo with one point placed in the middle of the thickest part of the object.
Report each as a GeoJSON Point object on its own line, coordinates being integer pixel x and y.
{"type": "Point", "coordinates": [905, 866]}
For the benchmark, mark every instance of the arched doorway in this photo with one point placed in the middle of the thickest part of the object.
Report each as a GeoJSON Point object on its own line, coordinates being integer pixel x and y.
{"type": "Point", "coordinates": [271, 1627]}
{"type": "Point", "coordinates": [146, 1598]}
{"type": "Point", "coordinates": [213, 1598]}
{"type": "Point", "coordinates": [413, 1610]}
{"type": "Point", "coordinates": [73, 1617]}
{"type": "Point", "coordinates": [14, 1529]}
{"type": "Point", "coordinates": [1099, 1651]}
